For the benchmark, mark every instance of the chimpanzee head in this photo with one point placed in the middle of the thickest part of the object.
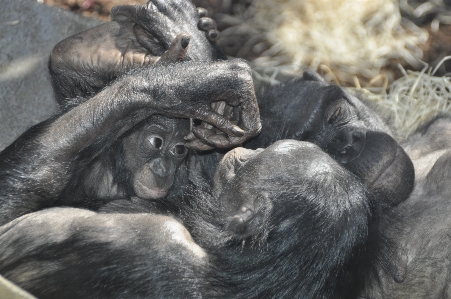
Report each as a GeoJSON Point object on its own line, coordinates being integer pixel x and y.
{"type": "Point", "coordinates": [340, 124]}
{"type": "Point", "coordinates": [289, 208]}
{"type": "Point", "coordinates": [152, 153]}
{"type": "Point", "coordinates": [290, 178]}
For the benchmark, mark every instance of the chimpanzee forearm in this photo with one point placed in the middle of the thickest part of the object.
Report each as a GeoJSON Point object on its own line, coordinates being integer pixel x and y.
{"type": "Point", "coordinates": [41, 163]}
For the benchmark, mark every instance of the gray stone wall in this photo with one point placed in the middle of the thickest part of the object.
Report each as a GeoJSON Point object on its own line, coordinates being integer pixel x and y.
{"type": "Point", "coordinates": [28, 32]}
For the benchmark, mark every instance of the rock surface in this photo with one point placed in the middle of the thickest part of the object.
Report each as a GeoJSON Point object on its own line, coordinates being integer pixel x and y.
{"type": "Point", "coordinates": [28, 32]}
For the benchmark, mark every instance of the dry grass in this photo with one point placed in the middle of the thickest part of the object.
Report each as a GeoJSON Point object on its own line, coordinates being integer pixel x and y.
{"type": "Point", "coordinates": [414, 99]}
{"type": "Point", "coordinates": [351, 39]}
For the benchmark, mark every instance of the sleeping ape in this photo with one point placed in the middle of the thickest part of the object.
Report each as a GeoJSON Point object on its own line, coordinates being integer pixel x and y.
{"type": "Point", "coordinates": [270, 228]}
{"type": "Point", "coordinates": [340, 124]}
{"type": "Point", "coordinates": [242, 227]}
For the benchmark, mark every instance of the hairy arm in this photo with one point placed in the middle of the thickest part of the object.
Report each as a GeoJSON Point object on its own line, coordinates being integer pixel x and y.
{"type": "Point", "coordinates": [36, 168]}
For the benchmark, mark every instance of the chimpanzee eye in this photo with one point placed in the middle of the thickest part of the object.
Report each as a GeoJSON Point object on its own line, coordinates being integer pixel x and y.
{"type": "Point", "coordinates": [334, 116]}
{"type": "Point", "coordinates": [156, 142]}
{"type": "Point", "coordinates": [179, 150]}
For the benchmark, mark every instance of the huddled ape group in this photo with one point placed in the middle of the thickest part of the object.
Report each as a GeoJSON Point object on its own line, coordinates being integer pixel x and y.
{"type": "Point", "coordinates": [104, 200]}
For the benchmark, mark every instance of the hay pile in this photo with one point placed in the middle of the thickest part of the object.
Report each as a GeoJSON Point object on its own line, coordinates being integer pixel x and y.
{"type": "Point", "coordinates": [414, 99]}
{"type": "Point", "coordinates": [350, 41]}
{"type": "Point", "coordinates": [422, 11]}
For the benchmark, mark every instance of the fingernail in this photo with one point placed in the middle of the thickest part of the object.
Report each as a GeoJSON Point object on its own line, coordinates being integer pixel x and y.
{"type": "Point", "coordinates": [213, 34]}
{"type": "Point", "coordinates": [237, 131]}
{"type": "Point", "coordinates": [206, 23]}
{"type": "Point", "coordinates": [202, 12]}
{"type": "Point", "coordinates": [190, 136]}
{"type": "Point", "coordinates": [185, 41]}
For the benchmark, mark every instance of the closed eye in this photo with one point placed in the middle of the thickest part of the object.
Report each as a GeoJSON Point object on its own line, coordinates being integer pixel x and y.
{"type": "Point", "coordinates": [335, 116]}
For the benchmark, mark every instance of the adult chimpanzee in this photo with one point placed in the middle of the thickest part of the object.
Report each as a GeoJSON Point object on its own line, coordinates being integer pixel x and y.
{"type": "Point", "coordinates": [339, 123]}
{"type": "Point", "coordinates": [420, 226]}
{"type": "Point", "coordinates": [42, 167]}
{"type": "Point", "coordinates": [98, 150]}
{"type": "Point", "coordinates": [271, 229]}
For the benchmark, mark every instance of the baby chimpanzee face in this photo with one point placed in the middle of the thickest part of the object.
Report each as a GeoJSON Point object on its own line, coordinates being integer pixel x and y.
{"type": "Point", "coordinates": [153, 153]}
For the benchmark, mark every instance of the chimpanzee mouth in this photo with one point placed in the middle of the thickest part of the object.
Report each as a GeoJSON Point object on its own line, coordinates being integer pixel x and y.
{"type": "Point", "coordinates": [152, 193]}
{"type": "Point", "coordinates": [389, 170]}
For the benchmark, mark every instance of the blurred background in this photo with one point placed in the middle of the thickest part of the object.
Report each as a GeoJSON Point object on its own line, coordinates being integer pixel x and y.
{"type": "Point", "coordinates": [359, 42]}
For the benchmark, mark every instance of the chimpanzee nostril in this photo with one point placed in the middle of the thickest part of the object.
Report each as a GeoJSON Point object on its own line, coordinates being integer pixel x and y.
{"type": "Point", "coordinates": [161, 167]}
{"type": "Point", "coordinates": [347, 144]}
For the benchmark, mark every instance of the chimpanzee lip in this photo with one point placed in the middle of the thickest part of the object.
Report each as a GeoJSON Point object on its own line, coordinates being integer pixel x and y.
{"type": "Point", "coordinates": [153, 192]}
{"type": "Point", "coordinates": [387, 169]}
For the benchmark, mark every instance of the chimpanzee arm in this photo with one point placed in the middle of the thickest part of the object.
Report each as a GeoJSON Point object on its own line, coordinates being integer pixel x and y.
{"type": "Point", "coordinates": [36, 168]}
{"type": "Point", "coordinates": [84, 63]}
{"type": "Point", "coordinates": [72, 253]}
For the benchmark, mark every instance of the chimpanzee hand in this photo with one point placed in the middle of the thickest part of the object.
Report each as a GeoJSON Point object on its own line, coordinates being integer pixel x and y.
{"type": "Point", "coordinates": [163, 20]}
{"type": "Point", "coordinates": [224, 98]}
{"type": "Point", "coordinates": [85, 63]}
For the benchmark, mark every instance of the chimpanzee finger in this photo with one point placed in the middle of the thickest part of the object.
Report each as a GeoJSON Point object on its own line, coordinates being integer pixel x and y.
{"type": "Point", "coordinates": [177, 50]}
{"type": "Point", "coordinates": [216, 139]}
{"type": "Point", "coordinates": [222, 141]}
{"type": "Point", "coordinates": [213, 35]}
{"type": "Point", "coordinates": [203, 134]}
{"type": "Point", "coordinates": [198, 145]}
{"type": "Point", "coordinates": [190, 137]}
{"type": "Point", "coordinates": [202, 12]}
{"type": "Point", "coordinates": [148, 41]}
{"type": "Point", "coordinates": [206, 24]}
{"type": "Point", "coordinates": [235, 114]}
{"type": "Point", "coordinates": [223, 124]}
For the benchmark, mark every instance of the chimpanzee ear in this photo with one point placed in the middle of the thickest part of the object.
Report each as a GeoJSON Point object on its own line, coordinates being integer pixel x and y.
{"type": "Point", "coordinates": [310, 75]}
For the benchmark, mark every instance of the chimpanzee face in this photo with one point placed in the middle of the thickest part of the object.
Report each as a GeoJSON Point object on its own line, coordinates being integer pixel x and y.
{"type": "Point", "coordinates": [153, 153]}
{"type": "Point", "coordinates": [357, 139]}
{"type": "Point", "coordinates": [254, 184]}
{"type": "Point", "coordinates": [342, 126]}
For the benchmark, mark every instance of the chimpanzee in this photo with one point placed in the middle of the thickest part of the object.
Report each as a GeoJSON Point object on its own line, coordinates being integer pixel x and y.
{"type": "Point", "coordinates": [270, 228]}
{"type": "Point", "coordinates": [420, 226]}
{"type": "Point", "coordinates": [42, 168]}
{"type": "Point", "coordinates": [254, 229]}
{"type": "Point", "coordinates": [339, 123]}
{"type": "Point", "coordinates": [142, 163]}
{"type": "Point", "coordinates": [98, 151]}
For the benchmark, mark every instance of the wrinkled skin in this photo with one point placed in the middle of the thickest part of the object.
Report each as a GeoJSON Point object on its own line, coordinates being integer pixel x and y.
{"type": "Point", "coordinates": [154, 155]}
{"type": "Point", "coordinates": [339, 123]}
{"type": "Point", "coordinates": [159, 31]}
{"type": "Point", "coordinates": [242, 232]}
{"type": "Point", "coordinates": [420, 225]}
{"type": "Point", "coordinates": [40, 168]}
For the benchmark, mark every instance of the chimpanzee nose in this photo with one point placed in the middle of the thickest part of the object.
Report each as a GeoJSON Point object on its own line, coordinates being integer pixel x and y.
{"type": "Point", "coordinates": [161, 167]}
{"type": "Point", "coordinates": [347, 144]}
